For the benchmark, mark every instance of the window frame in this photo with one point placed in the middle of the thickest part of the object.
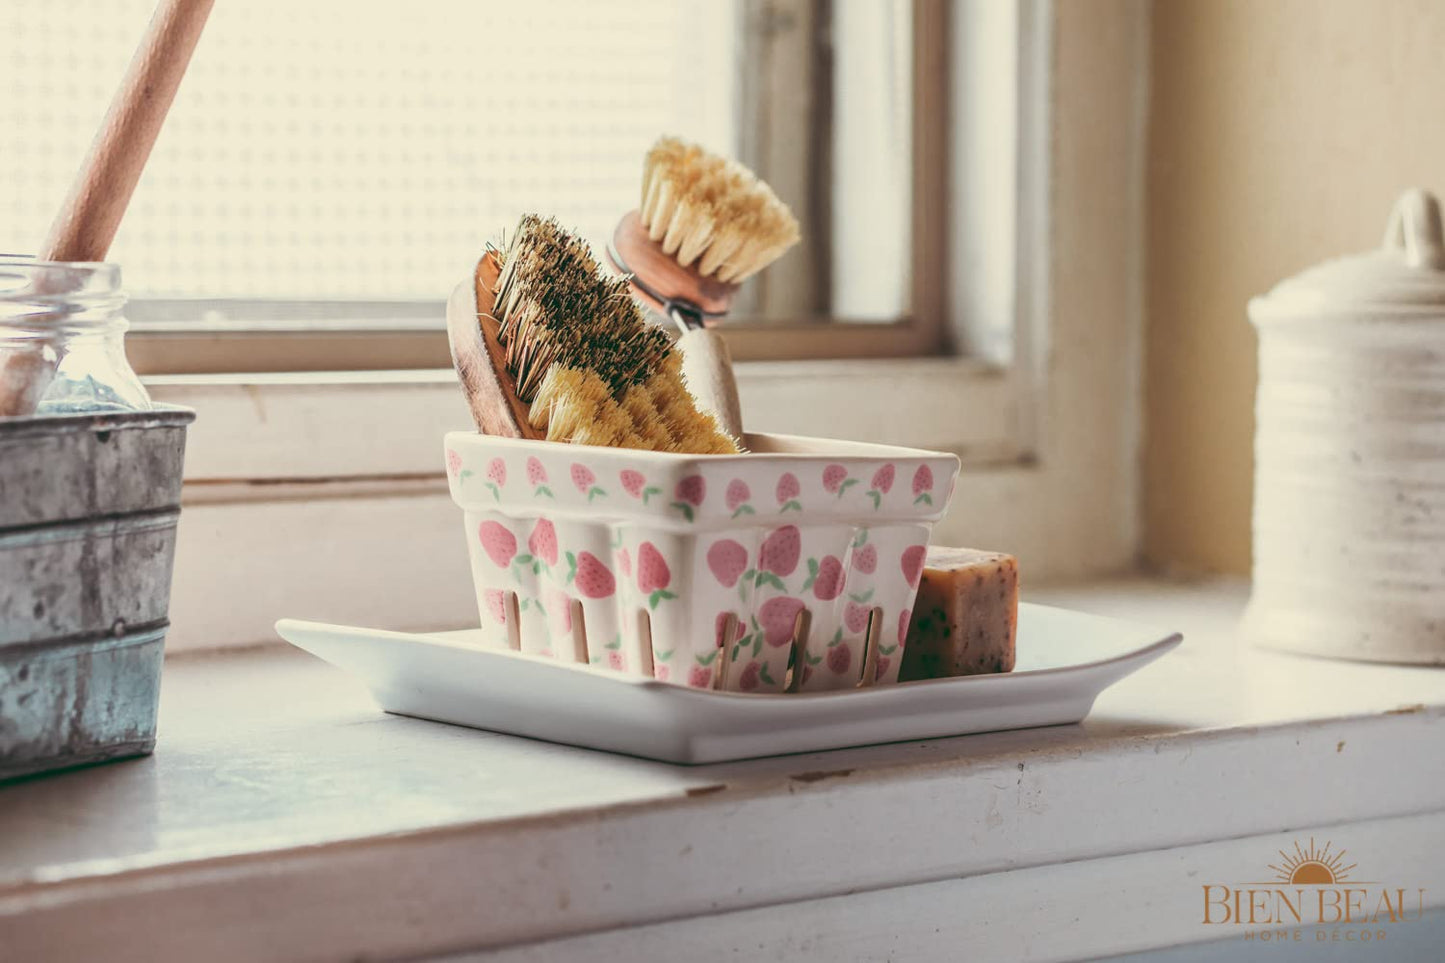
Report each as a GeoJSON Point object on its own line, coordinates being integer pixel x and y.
{"type": "Point", "coordinates": [272, 336]}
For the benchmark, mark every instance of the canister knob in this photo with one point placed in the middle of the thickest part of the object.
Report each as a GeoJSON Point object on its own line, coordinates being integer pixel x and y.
{"type": "Point", "coordinates": [1415, 229]}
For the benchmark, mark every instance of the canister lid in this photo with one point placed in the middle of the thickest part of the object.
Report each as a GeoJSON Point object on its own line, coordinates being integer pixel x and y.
{"type": "Point", "coordinates": [1404, 277]}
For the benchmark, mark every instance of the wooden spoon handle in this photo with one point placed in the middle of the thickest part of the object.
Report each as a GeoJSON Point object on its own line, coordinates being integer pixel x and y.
{"type": "Point", "coordinates": [707, 367]}
{"type": "Point", "coordinates": [87, 221]}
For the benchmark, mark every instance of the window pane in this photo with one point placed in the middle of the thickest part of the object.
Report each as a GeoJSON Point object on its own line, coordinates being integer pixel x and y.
{"type": "Point", "coordinates": [330, 150]}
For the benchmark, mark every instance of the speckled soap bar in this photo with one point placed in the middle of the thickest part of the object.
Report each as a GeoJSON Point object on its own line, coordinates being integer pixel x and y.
{"type": "Point", "coordinates": [965, 617]}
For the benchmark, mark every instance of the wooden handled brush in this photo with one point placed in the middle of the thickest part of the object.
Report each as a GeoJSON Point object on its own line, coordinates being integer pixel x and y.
{"type": "Point", "coordinates": [87, 221]}
{"type": "Point", "coordinates": [547, 347]}
{"type": "Point", "coordinates": [705, 225]}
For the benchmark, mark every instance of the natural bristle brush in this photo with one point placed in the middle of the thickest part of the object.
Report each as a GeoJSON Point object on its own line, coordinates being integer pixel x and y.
{"type": "Point", "coordinates": [705, 224]}
{"type": "Point", "coordinates": [548, 347]}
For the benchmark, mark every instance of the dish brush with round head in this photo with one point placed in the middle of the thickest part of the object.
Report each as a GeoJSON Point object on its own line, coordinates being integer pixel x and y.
{"type": "Point", "coordinates": [546, 346]}
{"type": "Point", "coordinates": [705, 224]}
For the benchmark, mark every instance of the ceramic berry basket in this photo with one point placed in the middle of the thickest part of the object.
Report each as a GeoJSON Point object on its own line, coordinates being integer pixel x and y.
{"type": "Point", "coordinates": [806, 552]}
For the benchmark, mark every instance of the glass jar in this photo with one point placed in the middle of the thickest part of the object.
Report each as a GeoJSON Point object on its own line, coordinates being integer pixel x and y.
{"type": "Point", "coordinates": [62, 339]}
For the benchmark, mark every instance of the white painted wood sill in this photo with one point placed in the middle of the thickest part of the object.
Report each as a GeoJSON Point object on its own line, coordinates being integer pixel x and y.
{"type": "Point", "coordinates": [284, 818]}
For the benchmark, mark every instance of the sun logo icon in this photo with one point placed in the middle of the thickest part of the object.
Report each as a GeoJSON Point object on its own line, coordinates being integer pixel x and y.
{"type": "Point", "coordinates": [1312, 867]}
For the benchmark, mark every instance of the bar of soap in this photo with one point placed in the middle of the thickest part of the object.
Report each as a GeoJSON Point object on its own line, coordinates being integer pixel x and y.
{"type": "Point", "coordinates": [965, 619]}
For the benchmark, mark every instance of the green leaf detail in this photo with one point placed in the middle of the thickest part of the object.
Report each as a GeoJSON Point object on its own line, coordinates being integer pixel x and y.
{"type": "Point", "coordinates": [466, 473]}
{"type": "Point", "coordinates": [737, 649]}
{"type": "Point", "coordinates": [705, 659]}
{"type": "Point", "coordinates": [524, 605]}
{"type": "Point", "coordinates": [763, 674]}
{"type": "Point", "coordinates": [757, 643]}
{"type": "Point", "coordinates": [844, 487]}
{"type": "Point", "coordinates": [664, 656]}
{"type": "Point", "coordinates": [538, 604]}
{"type": "Point", "coordinates": [768, 578]}
{"type": "Point", "coordinates": [743, 510]}
{"type": "Point", "coordinates": [812, 659]}
{"type": "Point", "coordinates": [571, 567]}
{"type": "Point", "coordinates": [594, 491]}
{"type": "Point", "coordinates": [887, 649]}
{"type": "Point", "coordinates": [877, 499]}
{"type": "Point", "coordinates": [658, 596]}
{"type": "Point", "coordinates": [837, 637]}
{"type": "Point", "coordinates": [861, 597]}
{"type": "Point", "coordinates": [496, 492]}
{"type": "Point", "coordinates": [649, 492]}
{"type": "Point", "coordinates": [542, 490]}
{"type": "Point", "coordinates": [685, 508]}
{"type": "Point", "coordinates": [523, 560]}
{"type": "Point", "coordinates": [925, 498]}
{"type": "Point", "coordinates": [617, 538]}
{"type": "Point", "coordinates": [860, 538]}
{"type": "Point", "coordinates": [616, 642]}
{"type": "Point", "coordinates": [790, 506]}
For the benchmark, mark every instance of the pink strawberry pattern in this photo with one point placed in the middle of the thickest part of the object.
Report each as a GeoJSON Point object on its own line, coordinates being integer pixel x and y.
{"type": "Point", "coordinates": [904, 619]}
{"type": "Point", "coordinates": [776, 619]}
{"type": "Point", "coordinates": [700, 676]}
{"type": "Point", "coordinates": [727, 559]}
{"type": "Point", "coordinates": [825, 577]}
{"type": "Point", "coordinates": [624, 563]}
{"type": "Point", "coordinates": [780, 551]}
{"type": "Point", "coordinates": [833, 478]}
{"type": "Point", "coordinates": [839, 658]}
{"type": "Point", "coordinates": [882, 668]}
{"type": "Point", "coordinates": [495, 602]}
{"type": "Point", "coordinates": [923, 486]}
{"type": "Point", "coordinates": [499, 544]}
{"type": "Point", "coordinates": [496, 477]}
{"type": "Point", "coordinates": [689, 495]}
{"type": "Point", "coordinates": [661, 671]}
{"type": "Point", "coordinates": [855, 617]}
{"type": "Point", "coordinates": [653, 575]}
{"type": "Point", "coordinates": [787, 493]}
{"type": "Point", "coordinates": [912, 563]}
{"type": "Point", "coordinates": [454, 464]}
{"type": "Point", "coordinates": [881, 484]}
{"type": "Point", "coordinates": [542, 543]}
{"type": "Point", "coordinates": [865, 559]}
{"type": "Point", "coordinates": [586, 481]}
{"type": "Point", "coordinates": [537, 478]}
{"type": "Point", "coordinates": [635, 484]}
{"type": "Point", "coordinates": [737, 496]}
{"type": "Point", "coordinates": [594, 580]}
{"type": "Point", "coordinates": [751, 677]}
{"type": "Point", "coordinates": [720, 623]}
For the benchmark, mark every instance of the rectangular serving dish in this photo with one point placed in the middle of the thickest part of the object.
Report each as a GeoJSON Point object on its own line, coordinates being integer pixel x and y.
{"type": "Point", "coordinates": [1065, 660]}
{"type": "Point", "coordinates": [802, 551]}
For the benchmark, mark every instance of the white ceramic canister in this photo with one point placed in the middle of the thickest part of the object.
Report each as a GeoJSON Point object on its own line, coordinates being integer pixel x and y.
{"type": "Point", "coordinates": [1349, 498]}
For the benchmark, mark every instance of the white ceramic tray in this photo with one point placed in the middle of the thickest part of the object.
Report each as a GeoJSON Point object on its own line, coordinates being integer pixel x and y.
{"type": "Point", "coordinates": [1065, 659]}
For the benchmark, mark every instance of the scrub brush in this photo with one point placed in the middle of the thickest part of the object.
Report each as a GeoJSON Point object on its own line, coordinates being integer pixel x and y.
{"type": "Point", "coordinates": [546, 346]}
{"type": "Point", "coordinates": [705, 225]}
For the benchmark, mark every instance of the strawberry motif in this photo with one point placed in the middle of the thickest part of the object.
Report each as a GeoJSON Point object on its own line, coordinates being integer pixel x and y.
{"type": "Point", "coordinates": [616, 660]}
{"type": "Point", "coordinates": [882, 482]}
{"type": "Point", "coordinates": [586, 481]}
{"type": "Point", "coordinates": [542, 543]}
{"type": "Point", "coordinates": [537, 477]}
{"type": "Point", "coordinates": [839, 658]}
{"type": "Point", "coordinates": [700, 677]}
{"type": "Point", "coordinates": [737, 497]}
{"type": "Point", "coordinates": [727, 559]}
{"type": "Point", "coordinates": [748, 681]}
{"type": "Point", "coordinates": [833, 478]}
{"type": "Point", "coordinates": [865, 559]}
{"type": "Point", "coordinates": [594, 580]}
{"type": "Point", "coordinates": [624, 563]}
{"type": "Point", "coordinates": [777, 617]}
{"type": "Point", "coordinates": [495, 601]}
{"type": "Point", "coordinates": [787, 493]}
{"type": "Point", "coordinates": [635, 484]}
{"type": "Point", "coordinates": [855, 617]}
{"type": "Point", "coordinates": [904, 618]}
{"type": "Point", "coordinates": [882, 670]}
{"type": "Point", "coordinates": [496, 477]}
{"type": "Point", "coordinates": [454, 463]}
{"type": "Point", "coordinates": [923, 485]}
{"type": "Point", "coordinates": [780, 551]}
{"type": "Point", "coordinates": [559, 606]}
{"type": "Point", "coordinates": [653, 575]}
{"type": "Point", "coordinates": [912, 563]}
{"type": "Point", "coordinates": [661, 671]}
{"type": "Point", "coordinates": [825, 577]}
{"type": "Point", "coordinates": [499, 544]}
{"type": "Point", "coordinates": [717, 629]}
{"type": "Point", "coordinates": [689, 495]}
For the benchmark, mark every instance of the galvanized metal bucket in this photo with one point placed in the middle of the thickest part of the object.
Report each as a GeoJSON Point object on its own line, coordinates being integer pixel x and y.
{"type": "Point", "coordinates": [88, 512]}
